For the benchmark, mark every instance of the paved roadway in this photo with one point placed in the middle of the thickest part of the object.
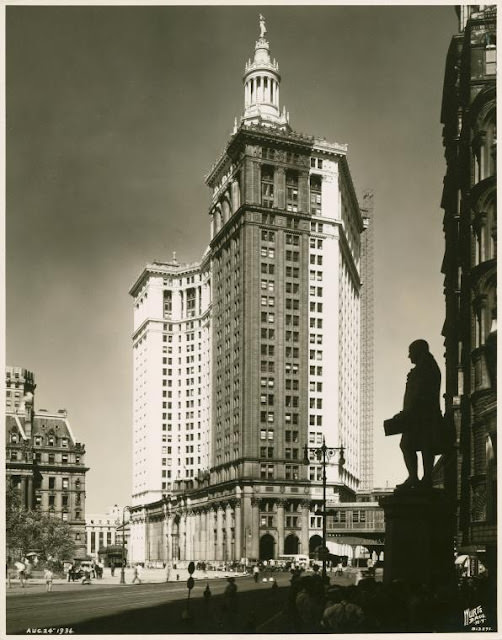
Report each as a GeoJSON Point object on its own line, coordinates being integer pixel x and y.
{"type": "Point", "coordinates": [145, 608]}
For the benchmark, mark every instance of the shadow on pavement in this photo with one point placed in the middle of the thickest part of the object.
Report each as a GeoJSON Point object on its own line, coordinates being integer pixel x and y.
{"type": "Point", "coordinates": [256, 611]}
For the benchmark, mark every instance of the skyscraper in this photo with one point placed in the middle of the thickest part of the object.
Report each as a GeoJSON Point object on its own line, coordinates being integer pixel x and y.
{"type": "Point", "coordinates": [278, 326]}
{"type": "Point", "coordinates": [367, 343]}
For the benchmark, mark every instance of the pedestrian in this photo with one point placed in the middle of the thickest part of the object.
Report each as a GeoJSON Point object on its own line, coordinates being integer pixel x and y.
{"type": "Point", "coordinates": [87, 577]}
{"type": "Point", "coordinates": [256, 572]}
{"type": "Point", "coordinates": [112, 568]}
{"type": "Point", "coordinates": [344, 616]}
{"type": "Point", "coordinates": [21, 569]}
{"type": "Point", "coordinates": [207, 595]}
{"type": "Point", "coordinates": [136, 574]}
{"type": "Point", "coordinates": [49, 577]}
{"type": "Point", "coordinates": [230, 601]}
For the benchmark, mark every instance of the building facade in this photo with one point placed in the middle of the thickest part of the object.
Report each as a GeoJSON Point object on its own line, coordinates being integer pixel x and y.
{"type": "Point", "coordinates": [43, 459]}
{"type": "Point", "coordinates": [469, 267]}
{"type": "Point", "coordinates": [101, 531]}
{"type": "Point", "coordinates": [171, 365]}
{"type": "Point", "coordinates": [276, 334]}
{"type": "Point", "coordinates": [367, 342]}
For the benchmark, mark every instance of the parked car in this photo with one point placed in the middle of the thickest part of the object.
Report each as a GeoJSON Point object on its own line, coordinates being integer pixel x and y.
{"type": "Point", "coordinates": [83, 566]}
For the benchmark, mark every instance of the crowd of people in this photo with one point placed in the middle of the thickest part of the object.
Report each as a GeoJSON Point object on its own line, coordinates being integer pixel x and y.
{"type": "Point", "coordinates": [375, 607]}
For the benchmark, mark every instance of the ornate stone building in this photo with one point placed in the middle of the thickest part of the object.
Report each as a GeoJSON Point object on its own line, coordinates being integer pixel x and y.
{"type": "Point", "coordinates": [470, 272]}
{"type": "Point", "coordinates": [276, 334]}
{"type": "Point", "coordinates": [43, 459]}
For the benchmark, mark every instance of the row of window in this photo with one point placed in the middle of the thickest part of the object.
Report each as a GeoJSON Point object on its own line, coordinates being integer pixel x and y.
{"type": "Point", "coordinates": [47, 458]}
{"type": "Point", "coordinates": [291, 471]}
{"type": "Point", "coordinates": [39, 441]}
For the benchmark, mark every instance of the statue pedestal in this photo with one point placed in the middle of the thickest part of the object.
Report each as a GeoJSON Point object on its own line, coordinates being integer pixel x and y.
{"type": "Point", "coordinates": [418, 537]}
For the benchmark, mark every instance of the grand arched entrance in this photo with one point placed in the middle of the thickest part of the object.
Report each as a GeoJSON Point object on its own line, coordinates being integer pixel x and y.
{"type": "Point", "coordinates": [266, 547]}
{"type": "Point", "coordinates": [315, 544]}
{"type": "Point", "coordinates": [291, 544]}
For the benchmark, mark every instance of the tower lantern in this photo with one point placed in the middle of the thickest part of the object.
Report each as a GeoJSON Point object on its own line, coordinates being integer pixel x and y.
{"type": "Point", "coordinates": [261, 86]}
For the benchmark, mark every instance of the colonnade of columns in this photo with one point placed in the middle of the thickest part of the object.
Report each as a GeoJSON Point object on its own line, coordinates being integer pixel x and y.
{"type": "Point", "coordinates": [224, 531]}
{"type": "Point", "coordinates": [229, 202]}
{"type": "Point", "coordinates": [260, 89]}
{"type": "Point", "coordinates": [231, 530]}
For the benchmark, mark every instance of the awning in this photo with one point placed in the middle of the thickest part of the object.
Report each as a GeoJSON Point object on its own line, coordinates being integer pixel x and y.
{"type": "Point", "coordinates": [461, 559]}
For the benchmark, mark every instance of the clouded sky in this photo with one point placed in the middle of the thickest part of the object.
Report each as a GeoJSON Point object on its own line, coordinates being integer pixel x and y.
{"type": "Point", "coordinates": [114, 117]}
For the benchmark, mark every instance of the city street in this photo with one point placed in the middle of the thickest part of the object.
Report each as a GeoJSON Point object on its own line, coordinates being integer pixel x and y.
{"type": "Point", "coordinates": [145, 608]}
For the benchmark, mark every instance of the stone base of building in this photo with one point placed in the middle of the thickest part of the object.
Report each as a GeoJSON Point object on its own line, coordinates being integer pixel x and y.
{"type": "Point", "coordinates": [419, 546]}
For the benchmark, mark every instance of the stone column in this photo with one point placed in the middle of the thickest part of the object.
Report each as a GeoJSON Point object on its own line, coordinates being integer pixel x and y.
{"type": "Point", "coordinates": [235, 195]}
{"type": "Point", "coordinates": [280, 527]}
{"type": "Point", "coordinates": [169, 540]}
{"type": "Point", "coordinates": [210, 555]}
{"type": "Point", "coordinates": [182, 536]}
{"type": "Point", "coordinates": [203, 534]}
{"type": "Point", "coordinates": [228, 523]}
{"type": "Point", "coordinates": [303, 191]}
{"type": "Point", "coordinates": [189, 532]}
{"type": "Point", "coordinates": [280, 187]}
{"type": "Point", "coordinates": [238, 532]}
{"type": "Point", "coordinates": [304, 536]}
{"type": "Point", "coordinates": [219, 533]}
{"type": "Point", "coordinates": [29, 492]}
{"type": "Point", "coordinates": [197, 538]}
{"type": "Point", "coordinates": [255, 528]}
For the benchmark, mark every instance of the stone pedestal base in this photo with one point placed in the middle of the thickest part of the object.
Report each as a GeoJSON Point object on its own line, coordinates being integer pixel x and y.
{"type": "Point", "coordinates": [418, 537]}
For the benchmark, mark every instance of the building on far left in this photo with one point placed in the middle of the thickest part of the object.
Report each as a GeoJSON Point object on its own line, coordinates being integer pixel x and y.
{"type": "Point", "coordinates": [43, 458]}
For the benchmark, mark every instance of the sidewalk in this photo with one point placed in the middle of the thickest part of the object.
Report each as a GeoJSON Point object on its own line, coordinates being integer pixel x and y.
{"type": "Point", "coordinates": [148, 576]}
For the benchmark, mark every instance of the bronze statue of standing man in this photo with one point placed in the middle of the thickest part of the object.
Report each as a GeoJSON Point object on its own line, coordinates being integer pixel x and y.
{"type": "Point", "coordinates": [421, 415]}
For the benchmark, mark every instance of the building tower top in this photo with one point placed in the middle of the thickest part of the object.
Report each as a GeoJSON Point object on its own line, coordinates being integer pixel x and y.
{"type": "Point", "coordinates": [261, 87]}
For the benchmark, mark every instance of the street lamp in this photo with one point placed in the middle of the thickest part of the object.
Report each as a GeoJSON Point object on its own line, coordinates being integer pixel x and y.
{"type": "Point", "coordinates": [122, 569]}
{"type": "Point", "coordinates": [323, 454]}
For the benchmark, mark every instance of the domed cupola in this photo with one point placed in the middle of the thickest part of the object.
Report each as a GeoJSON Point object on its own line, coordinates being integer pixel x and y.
{"type": "Point", "coordinates": [261, 87]}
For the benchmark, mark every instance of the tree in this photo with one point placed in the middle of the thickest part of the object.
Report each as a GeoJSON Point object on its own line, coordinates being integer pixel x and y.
{"type": "Point", "coordinates": [32, 530]}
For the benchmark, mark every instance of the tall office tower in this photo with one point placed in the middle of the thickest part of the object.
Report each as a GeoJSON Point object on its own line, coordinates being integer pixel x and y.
{"type": "Point", "coordinates": [284, 260]}
{"type": "Point", "coordinates": [470, 271]}
{"type": "Point", "coordinates": [367, 343]}
{"type": "Point", "coordinates": [171, 364]}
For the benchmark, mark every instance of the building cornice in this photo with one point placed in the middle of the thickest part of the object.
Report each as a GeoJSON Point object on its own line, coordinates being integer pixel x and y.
{"type": "Point", "coordinates": [165, 268]}
{"type": "Point", "coordinates": [28, 466]}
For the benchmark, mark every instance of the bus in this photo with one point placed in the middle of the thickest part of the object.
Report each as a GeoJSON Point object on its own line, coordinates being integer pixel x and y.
{"type": "Point", "coordinates": [298, 559]}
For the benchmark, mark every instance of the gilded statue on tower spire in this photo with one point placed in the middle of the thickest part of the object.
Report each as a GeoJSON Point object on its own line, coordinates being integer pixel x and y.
{"type": "Point", "coordinates": [263, 28]}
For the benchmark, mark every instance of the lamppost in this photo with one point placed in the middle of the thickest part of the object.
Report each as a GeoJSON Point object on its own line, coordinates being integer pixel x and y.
{"type": "Point", "coordinates": [122, 569]}
{"type": "Point", "coordinates": [323, 454]}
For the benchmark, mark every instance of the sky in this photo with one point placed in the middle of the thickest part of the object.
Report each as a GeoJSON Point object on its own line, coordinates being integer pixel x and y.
{"type": "Point", "coordinates": [114, 115]}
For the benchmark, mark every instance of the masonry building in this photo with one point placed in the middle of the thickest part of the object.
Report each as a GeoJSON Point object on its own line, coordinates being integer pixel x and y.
{"type": "Point", "coordinates": [246, 357]}
{"type": "Point", "coordinates": [43, 458]}
{"type": "Point", "coordinates": [470, 272]}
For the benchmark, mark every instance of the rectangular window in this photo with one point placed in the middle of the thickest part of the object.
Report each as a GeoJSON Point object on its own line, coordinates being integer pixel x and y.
{"type": "Point", "coordinates": [490, 61]}
{"type": "Point", "coordinates": [315, 195]}
{"type": "Point", "coordinates": [266, 470]}
{"type": "Point", "coordinates": [267, 186]}
{"type": "Point", "coordinates": [66, 483]}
